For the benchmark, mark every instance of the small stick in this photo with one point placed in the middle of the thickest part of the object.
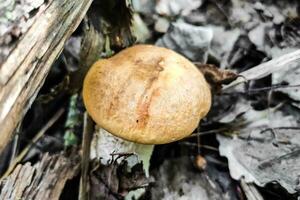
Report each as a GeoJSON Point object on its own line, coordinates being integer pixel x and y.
{"type": "Point", "coordinates": [264, 69]}
{"type": "Point", "coordinates": [86, 146]}
{"type": "Point", "coordinates": [250, 191]}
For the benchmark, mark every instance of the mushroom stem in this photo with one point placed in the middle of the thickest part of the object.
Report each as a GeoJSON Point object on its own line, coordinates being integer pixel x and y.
{"type": "Point", "coordinates": [104, 144]}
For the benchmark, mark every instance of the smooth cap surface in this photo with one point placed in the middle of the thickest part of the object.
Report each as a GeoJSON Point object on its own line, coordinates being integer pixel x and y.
{"type": "Point", "coordinates": [146, 94]}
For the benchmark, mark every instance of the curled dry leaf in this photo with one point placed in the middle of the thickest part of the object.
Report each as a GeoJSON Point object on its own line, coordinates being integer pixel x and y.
{"type": "Point", "coordinates": [216, 76]}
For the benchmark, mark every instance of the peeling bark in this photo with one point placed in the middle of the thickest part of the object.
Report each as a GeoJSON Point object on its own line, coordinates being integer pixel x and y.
{"type": "Point", "coordinates": [44, 180]}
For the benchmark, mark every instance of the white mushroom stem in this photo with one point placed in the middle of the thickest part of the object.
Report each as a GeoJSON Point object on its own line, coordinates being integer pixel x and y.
{"type": "Point", "coordinates": [104, 144]}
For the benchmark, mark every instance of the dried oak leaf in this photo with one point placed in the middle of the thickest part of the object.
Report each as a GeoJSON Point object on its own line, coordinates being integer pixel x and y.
{"type": "Point", "coordinates": [216, 76]}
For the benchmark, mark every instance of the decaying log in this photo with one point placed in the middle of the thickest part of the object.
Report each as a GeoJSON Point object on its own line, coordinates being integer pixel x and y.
{"type": "Point", "coordinates": [24, 70]}
{"type": "Point", "coordinates": [44, 180]}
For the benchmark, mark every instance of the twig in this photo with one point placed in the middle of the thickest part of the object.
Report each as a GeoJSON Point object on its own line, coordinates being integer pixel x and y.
{"type": "Point", "coordinates": [282, 128]}
{"type": "Point", "coordinates": [277, 159]}
{"type": "Point", "coordinates": [210, 132]}
{"type": "Point", "coordinates": [263, 89]}
{"type": "Point", "coordinates": [19, 158]}
{"type": "Point", "coordinates": [265, 69]}
{"type": "Point", "coordinates": [200, 146]}
{"type": "Point", "coordinates": [250, 191]}
{"type": "Point", "coordinates": [15, 145]}
{"type": "Point", "coordinates": [85, 159]}
{"type": "Point", "coordinates": [238, 128]}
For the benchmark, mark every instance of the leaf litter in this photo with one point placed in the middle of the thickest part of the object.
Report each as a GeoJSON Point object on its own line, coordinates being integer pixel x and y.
{"type": "Point", "coordinates": [256, 124]}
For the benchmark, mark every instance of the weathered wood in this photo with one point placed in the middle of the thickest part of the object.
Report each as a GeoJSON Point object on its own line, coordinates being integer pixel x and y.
{"type": "Point", "coordinates": [45, 180]}
{"type": "Point", "coordinates": [25, 69]}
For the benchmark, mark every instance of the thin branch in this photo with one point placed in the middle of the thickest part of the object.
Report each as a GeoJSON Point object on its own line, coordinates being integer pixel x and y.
{"type": "Point", "coordinates": [200, 146]}
{"type": "Point", "coordinates": [265, 69]}
{"type": "Point", "coordinates": [85, 159]}
{"type": "Point", "coordinates": [224, 129]}
{"type": "Point", "coordinates": [250, 190]}
{"type": "Point", "coordinates": [263, 89]}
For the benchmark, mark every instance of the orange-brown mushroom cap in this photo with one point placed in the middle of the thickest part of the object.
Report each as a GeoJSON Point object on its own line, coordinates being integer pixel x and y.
{"type": "Point", "coordinates": [146, 94]}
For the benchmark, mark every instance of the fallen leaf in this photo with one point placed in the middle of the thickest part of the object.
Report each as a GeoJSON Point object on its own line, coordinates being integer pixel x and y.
{"type": "Point", "coordinates": [189, 40]}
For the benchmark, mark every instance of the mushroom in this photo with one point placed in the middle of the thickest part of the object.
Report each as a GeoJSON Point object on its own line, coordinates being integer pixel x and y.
{"type": "Point", "coordinates": [142, 96]}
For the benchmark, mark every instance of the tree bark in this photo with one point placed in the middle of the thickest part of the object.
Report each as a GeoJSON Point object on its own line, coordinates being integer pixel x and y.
{"type": "Point", "coordinates": [45, 180]}
{"type": "Point", "coordinates": [26, 67]}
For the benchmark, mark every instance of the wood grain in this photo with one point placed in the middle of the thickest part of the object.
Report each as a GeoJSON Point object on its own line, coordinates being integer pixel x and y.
{"type": "Point", "coordinates": [25, 69]}
{"type": "Point", "coordinates": [44, 180]}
